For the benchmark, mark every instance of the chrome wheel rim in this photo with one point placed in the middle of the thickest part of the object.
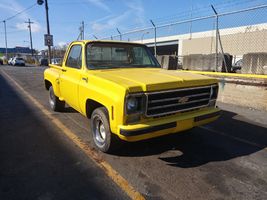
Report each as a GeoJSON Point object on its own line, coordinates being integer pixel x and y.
{"type": "Point", "coordinates": [51, 98]}
{"type": "Point", "coordinates": [99, 131]}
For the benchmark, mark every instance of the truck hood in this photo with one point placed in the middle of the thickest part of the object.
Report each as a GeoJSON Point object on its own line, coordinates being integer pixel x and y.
{"type": "Point", "coordinates": [149, 79]}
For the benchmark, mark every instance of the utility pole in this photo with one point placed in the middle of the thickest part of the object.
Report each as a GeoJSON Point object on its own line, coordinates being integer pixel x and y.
{"type": "Point", "coordinates": [82, 30]}
{"type": "Point", "coordinates": [155, 38]}
{"type": "Point", "coordinates": [79, 35]}
{"type": "Point", "coordinates": [30, 30]}
{"type": "Point", "coordinates": [5, 36]}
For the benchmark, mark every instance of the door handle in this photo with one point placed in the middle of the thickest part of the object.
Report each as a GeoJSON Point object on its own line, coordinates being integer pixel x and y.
{"type": "Point", "coordinates": [85, 79]}
{"type": "Point", "coordinates": [64, 70]}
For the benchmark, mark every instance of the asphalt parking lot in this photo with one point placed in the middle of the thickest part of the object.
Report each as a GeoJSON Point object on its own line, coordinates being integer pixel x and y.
{"type": "Point", "coordinates": [226, 159]}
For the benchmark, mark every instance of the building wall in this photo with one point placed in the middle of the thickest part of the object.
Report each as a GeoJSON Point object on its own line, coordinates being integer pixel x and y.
{"type": "Point", "coordinates": [234, 44]}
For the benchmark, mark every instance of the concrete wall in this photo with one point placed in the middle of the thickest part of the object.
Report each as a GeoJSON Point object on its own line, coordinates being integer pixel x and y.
{"type": "Point", "coordinates": [200, 62]}
{"type": "Point", "coordinates": [243, 93]}
{"type": "Point", "coordinates": [254, 63]}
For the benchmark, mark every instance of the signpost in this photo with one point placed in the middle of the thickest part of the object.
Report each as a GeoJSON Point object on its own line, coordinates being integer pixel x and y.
{"type": "Point", "coordinates": [48, 40]}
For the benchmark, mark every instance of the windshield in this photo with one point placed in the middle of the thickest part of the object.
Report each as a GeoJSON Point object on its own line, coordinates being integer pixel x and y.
{"type": "Point", "coordinates": [119, 55]}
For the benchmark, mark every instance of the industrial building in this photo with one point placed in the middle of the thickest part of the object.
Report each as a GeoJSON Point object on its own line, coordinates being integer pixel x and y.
{"type": "Point", "coordinates": [235, 41]}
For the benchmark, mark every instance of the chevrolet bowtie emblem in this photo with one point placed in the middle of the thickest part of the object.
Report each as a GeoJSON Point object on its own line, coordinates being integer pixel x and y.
{"type": "Point", "coordinates": [183, 100]}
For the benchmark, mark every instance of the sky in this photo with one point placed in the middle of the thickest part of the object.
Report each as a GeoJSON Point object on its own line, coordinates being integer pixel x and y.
{"type": "Point", "coordinates": [101, 17]}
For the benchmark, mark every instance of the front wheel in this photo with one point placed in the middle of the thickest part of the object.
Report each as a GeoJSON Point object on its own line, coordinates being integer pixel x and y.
{"type": "Point", "coordinates": [54, 102]}
{"type": "Point", "coordinates": [104, 140]}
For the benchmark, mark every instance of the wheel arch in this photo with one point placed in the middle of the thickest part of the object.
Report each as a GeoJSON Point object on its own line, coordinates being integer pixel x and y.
{"type": "Point", "coordinates": [91, 105]}
{"type": "Point", "coordinates": [48, 84]}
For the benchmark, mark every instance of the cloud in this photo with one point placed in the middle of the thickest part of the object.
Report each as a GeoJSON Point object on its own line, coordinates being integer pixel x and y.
{"type": "Point", "coordinates": [103, 19]}
{"type": "Point", "coordinates": [13, 7]}
{"type": "Point", "coordinates": [34, 27]}
{"type": "Point", "coordinates": [138, 11]}
{"type": "Point", "coordinates": [112, 23]}
{"type": "Point", "coordinates": [134, 14]}
{"type": "Point", "coordinates": [100, 4]}
{"type": "Point", "coordinates": [62, 44]}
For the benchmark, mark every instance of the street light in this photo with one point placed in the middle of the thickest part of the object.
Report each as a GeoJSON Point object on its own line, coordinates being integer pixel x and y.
{"type": "Point", "coordinates": [40, 2]}
{"type": "Point", "coordinates": [142, 37]}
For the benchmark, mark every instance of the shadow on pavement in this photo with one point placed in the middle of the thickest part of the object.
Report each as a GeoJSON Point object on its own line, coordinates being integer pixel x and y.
{"type": "Point", "coordinates": [201, 145]}
{"type": "Point", "coordinates": [68, 109]}
{"type": "Point", "coordinates": [37, 163]}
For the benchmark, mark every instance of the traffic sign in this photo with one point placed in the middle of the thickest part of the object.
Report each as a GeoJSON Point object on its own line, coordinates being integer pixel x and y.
{"type": "Point", "coordinates": [48, 39]}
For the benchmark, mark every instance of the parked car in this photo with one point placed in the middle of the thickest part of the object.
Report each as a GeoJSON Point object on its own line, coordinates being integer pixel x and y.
{"type": "Point", "coordinates": [18, 62]}
{"type": "Point", "coordinates": [56, 61]}
{"type": "Point", "coordinates": [9, 62]}
{"type": "Point", "coordinates": [43, 62]}
{"type": "Point", "coordinates": [123, 90]}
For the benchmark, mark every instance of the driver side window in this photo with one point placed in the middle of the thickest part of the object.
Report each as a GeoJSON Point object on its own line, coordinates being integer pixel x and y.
{"type": "Point", "coordinates": [74, 59]}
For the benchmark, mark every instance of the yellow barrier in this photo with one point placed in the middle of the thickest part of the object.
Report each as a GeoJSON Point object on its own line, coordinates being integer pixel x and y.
{"type": "Point", "coordinates": [228, 74]}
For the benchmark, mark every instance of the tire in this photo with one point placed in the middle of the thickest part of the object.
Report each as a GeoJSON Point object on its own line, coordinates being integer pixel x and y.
{"type": "Point", "coordinates": [54, 102]}
{"type": "Point", "coordinates": [103, 138]}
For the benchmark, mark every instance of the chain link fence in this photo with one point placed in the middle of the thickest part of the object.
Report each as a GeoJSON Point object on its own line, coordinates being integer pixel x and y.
{"type": "Point", "coordinates": [226, 42]}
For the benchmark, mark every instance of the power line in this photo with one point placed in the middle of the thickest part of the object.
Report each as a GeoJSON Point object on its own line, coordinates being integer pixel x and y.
{"type": "Point", "coordinates": [20, 12]}
{"type": "Point", "coordinates": [11, 17]}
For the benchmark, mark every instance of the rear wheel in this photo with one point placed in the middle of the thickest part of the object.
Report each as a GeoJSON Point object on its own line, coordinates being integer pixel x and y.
{"type": "Point", "coordinates": [54, 102]}
{"type": "Point", "coordinates": [104, 140]}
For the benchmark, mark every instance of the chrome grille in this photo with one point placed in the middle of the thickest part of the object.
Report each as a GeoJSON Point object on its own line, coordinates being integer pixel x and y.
{"type": "Point", "coordinates": [180, 100]}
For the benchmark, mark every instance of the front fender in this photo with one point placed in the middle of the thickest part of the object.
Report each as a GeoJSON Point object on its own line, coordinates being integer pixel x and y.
{"type": "Point", "coordinates": [112, 99]}
{"type": "Point", "coordinates": [52, 76]}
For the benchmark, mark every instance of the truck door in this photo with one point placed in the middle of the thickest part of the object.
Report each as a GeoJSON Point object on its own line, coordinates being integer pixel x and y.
{"type": "Point", "coordinates": [71, 75]}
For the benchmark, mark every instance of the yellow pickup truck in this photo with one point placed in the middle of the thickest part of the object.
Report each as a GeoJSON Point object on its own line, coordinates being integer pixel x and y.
{"type": "Point", "coordinates": [122, 89]}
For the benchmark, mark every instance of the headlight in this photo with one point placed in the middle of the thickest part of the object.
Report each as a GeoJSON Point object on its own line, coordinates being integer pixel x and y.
{"type": "Point", "coordinates": [132, 104]}
{"type": "Point", "coordinates": [135, 103]}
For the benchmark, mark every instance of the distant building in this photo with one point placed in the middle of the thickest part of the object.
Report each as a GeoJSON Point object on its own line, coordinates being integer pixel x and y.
{"type": "Point", "coordinates": [16, 50]}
